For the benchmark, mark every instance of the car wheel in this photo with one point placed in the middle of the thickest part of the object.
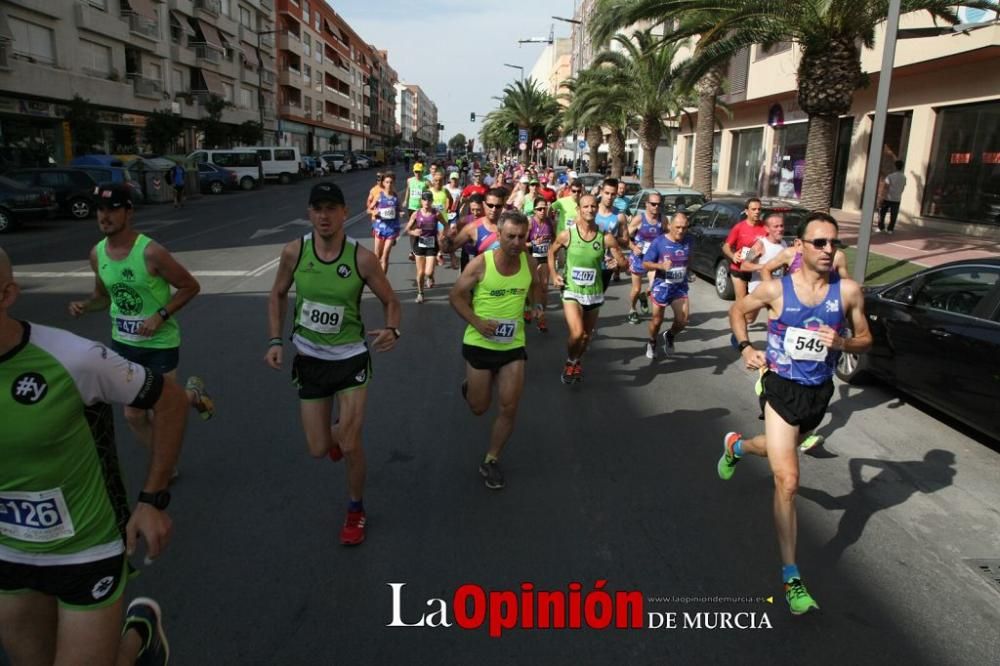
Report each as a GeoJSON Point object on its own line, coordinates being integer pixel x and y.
{"type": "Point", "coordinates": [6, 221]}
{"type": "Point", "coordinates": [247, 183]}
{"type": "Point", "coordinates": [285, 178]}
{"type": "Point", "coordinates": [724, 283]}
{"type": "Point", "coordinates": [852, 368]}
{"type": "Point", "coordinates": [216, 187]}
{"type": "Point", "coordinates": [79, 208]}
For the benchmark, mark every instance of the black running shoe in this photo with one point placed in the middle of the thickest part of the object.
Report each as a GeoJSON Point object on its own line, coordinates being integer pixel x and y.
{"type": "Point", "coordinates": [144, 617]}
{"type": "Point", "coordinates": [492, 474]}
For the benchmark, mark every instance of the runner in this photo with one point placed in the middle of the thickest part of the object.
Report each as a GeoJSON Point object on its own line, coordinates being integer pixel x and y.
{"type": "Point", "coordinates": [481, 234]}
{"type": "Point", "coordinates": [609, 221]}
{"type": "Point", "coordinates": [789, 260]}
{"type": "Point", "coordinates": [668, 255]}
{"type": "Point", "coordinates": [65, 530]}
{"type": "Point", "coordinates": [765, 250]}
{"type": "Point", "coordinates": [621, 202]}
{"type": "Point", "coordinates": [133, 276]}
{"type": "Point", "coordinates": [330, 271]}
{"type": "Point", "coordinates": [519, 194]}
{"type": "Point", "coordinates": [809, 313]}
{"type": "Point", "coordinates": [738, 247]}
{"type": "Point", "coordinates": [415, 186]}
{"type": "Point", "coordinates": [385, 209]}
{"type": "Point", "coordinates": [566, 207]}
{"type": "Point", "coordinates": [423, 230]}
{"type": "Point", "coordinates": [540, 235]}
{"type": "Point", "coordinates": [643, 229]}
{"type": "Point", "coordinates": [582, 292]}
{"type": "Point", "coordinates": [489, 296]}
{"type": "Point", "coordinates": [373, 196]}
{"type": "Point", "coordinates": [476, 187]}
{"type": "Point", "coordinates": [442, 203]}
{"type": "Point", "coordinates": [475, 208]}
{"type": "Point", "coordinates": [456, 204]}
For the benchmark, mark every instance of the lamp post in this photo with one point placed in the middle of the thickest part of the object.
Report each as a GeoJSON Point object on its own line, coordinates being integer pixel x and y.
{"type": "Point", "coordinates": [573, 67]}
{"type": "Point", "coordinates": [260, 78]}
{"type": "Point", "coordinates": [516, 67]}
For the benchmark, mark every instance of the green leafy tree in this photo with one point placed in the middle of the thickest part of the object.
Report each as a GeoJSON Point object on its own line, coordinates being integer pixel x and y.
{"type": "Point", "coordinates": [458, 142]}
{"type": "Point", "coordinates": [830, 35]}
{"type": "Point", "coordinates": [217, 134]}
{"type": "Point", "coordinates": [527, 106]}
{"type": "Point", "coordinates": [84, 124]}
{"type": "Point", "coordinates": [249, 133]}
{"type": "Point", "coordinates": [162, 130]}
{"type": "Point", "coordinates": [595, 101]}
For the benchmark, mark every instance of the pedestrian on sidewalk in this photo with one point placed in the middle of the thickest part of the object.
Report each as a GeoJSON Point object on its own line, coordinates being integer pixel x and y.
{"type": "Point", "coordinates": [177, 176]}
{"type": "Point", "coordinates": [894, 184]}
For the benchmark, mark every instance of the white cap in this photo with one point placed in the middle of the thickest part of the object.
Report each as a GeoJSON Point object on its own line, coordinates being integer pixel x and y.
{"type": "Point", "coordinates": [525, 180]}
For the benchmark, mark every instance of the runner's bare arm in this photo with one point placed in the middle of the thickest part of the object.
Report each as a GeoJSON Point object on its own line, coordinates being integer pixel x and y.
{"type": "Point", "coordinates": [766, 295]}
{"type": "Point", "coordinates": [164, 265]}
{"type": "Point", "coordinates": [783, 260]}
{"type": "Point", "coordinates": [371, 272]}
{"type": "Point", "coordinates": [561, 240]}
{"type": "Point", "coordinates": [409, 230]}
{"type": "Point", "coordinates": [99, 299]}
{"type": "Point", "coordinates": [854, 310]}
{"type": "Point", "coordinates": [460, 296]}
{"type": "Point", "coordinates": [536, 292]}
{"type": "Point", "coordinates": [611, 243]}
{"type": "Point", "coordinates": [840, 263]}
{"type": "Point", "coordinates": [277, 302]}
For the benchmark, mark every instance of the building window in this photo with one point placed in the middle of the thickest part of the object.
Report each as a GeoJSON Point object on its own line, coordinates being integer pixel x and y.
{"type": "Point", "coordinates": [788, 161]}
{"type": "Point", "coordinates": [227, 9]}
{"type": "Point", "coordinates": [746, 161]}
{"type": "Point", "coordinates": [99, 4]}
{"type": "Point", "coordinates": [963, 182]}
{"type": "Point", "coordinates": [305, 11]}
{"type": "Point", "coordinates": [246, 17]}
{"type": "Point", "coordinates": [246, 98]}
{"type": "Point", "coordinates": [306, 45]}
{"type": "Point", "coordinates": [306, 74]}
{"type": "Point", "coordinates": [774, 49]}
{"type": "Point", "coordinates": [227, 92]}
{"type": "Point", "coordinates": [154, 71]}
{"type": "Point", "coordinates": [95, 58]}
{"type": "Point", "coordinates": [33, 41]}
{"type": "Point", "coordinates": [178, 81]}
{"type": "Point", "coordinates": [318, 55]}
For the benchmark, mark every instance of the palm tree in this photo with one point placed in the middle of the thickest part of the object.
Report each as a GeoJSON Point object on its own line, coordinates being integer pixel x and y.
{"type": "Point", "coordinates": [646, 78]}
{"type": "Point", "coordinates": [527, 106]}
{"type": "Point", "coordinates": [595, 100]}
{"type": "Point", "coordinates": [830, 34]}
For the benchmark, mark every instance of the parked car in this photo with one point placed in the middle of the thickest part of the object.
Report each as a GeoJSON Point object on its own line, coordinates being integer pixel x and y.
{"type": "Point", "coordinates": [20, 203]}
{"type": "Point", "coordinates": [359, 161]}
{"type": "Point", "coordinates": [244, 162]}
{"type": "Point", "coordinates": [591, 181]}
{"type": "Point", "coordinates": [216, 180]}
{"type": "Point", "coordinates": [936, 336]}
{"type": "Point", "coordinates": [710, 225]}
{"type": "Point", "coordinates": [336, 162]}
{"type": "Point", "coordinates": [280, 163]}
{"type": "Point", "coordinates": [115, 174]}
{"type": "Point", "coordinates": [673, 198]}
{"type": "Point", "coordinates": [74, 188]}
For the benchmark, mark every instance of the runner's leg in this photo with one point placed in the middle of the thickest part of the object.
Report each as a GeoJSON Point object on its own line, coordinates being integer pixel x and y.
{"type": "Point", "coordinates": [782, 439]}
{"type": "Point", "coordinates": [89, 636]}
{"type": "Point", "coordinates": [510, 384]}
{"type": "Point", "coordinates": [316, 425]}
{"type": "Point", "coordinates": [351, 409]}
{"type": "Point", "coordinates": [28, 628]}
{"type": "Point", "coordinates": [682, 313]}
{"type": "Point", "coordinates": [478, 389]}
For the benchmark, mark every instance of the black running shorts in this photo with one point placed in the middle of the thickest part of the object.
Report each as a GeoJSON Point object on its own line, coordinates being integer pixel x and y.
{"type": "Point", "coordinates": [491, 359]}
{"type": "Point", "coordinates": [84, 586]}
{"type": "Point", "coordinates": [318, 379]}
{"type": "Point", "coordinates": [746, 276]}
{"type": "Point", "coordinates": [798, 404]}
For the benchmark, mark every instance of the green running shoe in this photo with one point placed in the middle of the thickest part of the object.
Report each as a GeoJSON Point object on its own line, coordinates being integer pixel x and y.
{"type": "Point", "coordinates": [811, 442]}
{"type": "Point", "coordinates": [727, 463]}
{"type": "Point", "coordinates": [799, 601]}
{"type": "Point", "coordinates": [203, 403]}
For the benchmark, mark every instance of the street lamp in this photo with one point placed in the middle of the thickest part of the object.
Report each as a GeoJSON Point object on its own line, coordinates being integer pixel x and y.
{"type": "Point", "coordinates": [260, 78]}
{"type": "Point", "coordinates": [516, 67]}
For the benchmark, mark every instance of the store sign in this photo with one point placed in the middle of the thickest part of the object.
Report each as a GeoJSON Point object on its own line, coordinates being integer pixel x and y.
{"type": "Point", "coordinates": [991, 158]}
{"type": "Point", "coordinates": [960, 158]}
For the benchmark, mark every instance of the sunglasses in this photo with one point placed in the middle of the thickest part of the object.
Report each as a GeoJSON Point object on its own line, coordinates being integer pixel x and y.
{"type": "Point", "coordinates": [576, 191]}
{"type": "Point", "coordinates": [820, 243]}
{"type": "Point", "coordinates": [489, 205]}
{"type": "Point", "coordinates": [652, 203]}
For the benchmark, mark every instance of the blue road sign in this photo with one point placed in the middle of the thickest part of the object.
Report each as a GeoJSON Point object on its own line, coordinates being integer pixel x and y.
{"type": "Point", "coordinates": [522, 136]}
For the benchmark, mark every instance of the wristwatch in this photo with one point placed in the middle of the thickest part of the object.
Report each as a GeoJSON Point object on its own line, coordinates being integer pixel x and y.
{"type": "Point", "coordinates": [163, 314]}
{"type": "Point", "coordinates": [743, 345]}
{"type": "Point", "coordinates": [395, 331]}
{"type": "Point", "coordinates": [160, 500]}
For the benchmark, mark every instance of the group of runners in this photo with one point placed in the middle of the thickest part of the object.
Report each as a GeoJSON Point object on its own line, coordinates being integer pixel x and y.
{"type": "Point", "coordinates": [66, 530]}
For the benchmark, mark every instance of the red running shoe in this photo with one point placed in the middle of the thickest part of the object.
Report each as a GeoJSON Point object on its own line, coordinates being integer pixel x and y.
{"type": "Point", "coordinates": [577, 373]}
{"type": "Point", "coordinates": [353, 531]}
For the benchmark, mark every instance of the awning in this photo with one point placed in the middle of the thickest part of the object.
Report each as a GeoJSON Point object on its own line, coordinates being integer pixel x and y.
{"type": "Point", "coordinates": [214, 82]}
{"type": "Point", "coordinates": [144, 8]}
{"type": "Point", "coordinates": [250, 55]}
{"type": "Point", "coordinates": [181, 21]}
{"type": "Point", "coordinates": [267, 60]}
{"type": "Point", "coordinates": [210, 34]}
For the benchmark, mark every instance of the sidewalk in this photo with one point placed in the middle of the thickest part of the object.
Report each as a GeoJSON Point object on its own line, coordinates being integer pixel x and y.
{"type": "Point", "coordinates": [927, 247]}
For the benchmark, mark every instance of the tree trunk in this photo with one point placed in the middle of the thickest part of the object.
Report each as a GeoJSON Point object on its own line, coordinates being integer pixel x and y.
{"type": "Point", "coordinates": [616, 146]}
{"type": "Point", "coordinates": [649, 138]}
{"type": "Point", "coordinates": [817, 184]}
{"type": "Point", "coordinates": [594, 139]}
{"type": "Point", "coordinates": [708, 89]}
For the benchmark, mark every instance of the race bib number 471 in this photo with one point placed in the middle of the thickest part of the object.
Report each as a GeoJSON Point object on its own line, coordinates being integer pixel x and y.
{"type": "Point", "coordinates": [321, 318]}
{"type": "Point", "coordinates": [38, 517]}
{"type": "Point", "coordinates": [128, 327]}
{"type": "Point", "coordinates": [802, 344]}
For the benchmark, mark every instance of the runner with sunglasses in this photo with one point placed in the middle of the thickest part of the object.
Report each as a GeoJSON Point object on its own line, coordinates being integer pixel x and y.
{"type": "Point", "coordinates": [644, 228]}
{"type": "Point", "coordinates": [809, 314]}
{"type": "Point", "coordinates": [483, 233]}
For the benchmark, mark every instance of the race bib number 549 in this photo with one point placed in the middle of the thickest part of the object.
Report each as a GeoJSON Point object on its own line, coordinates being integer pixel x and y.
{"type": "Point", "coordinates": [804, 345]}
{"type": "Point", "coordinates": [39, 517]}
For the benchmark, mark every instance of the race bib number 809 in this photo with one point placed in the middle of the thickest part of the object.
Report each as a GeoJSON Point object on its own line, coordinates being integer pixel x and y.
{"type": "Point", "coordinates": [321, 318]}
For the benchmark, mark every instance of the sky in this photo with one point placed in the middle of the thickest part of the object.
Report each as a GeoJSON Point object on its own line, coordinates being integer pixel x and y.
{"type": "Point", "coordinates": [456, 49]}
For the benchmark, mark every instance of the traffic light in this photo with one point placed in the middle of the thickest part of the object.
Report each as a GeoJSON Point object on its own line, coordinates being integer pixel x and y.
{"type": "Point", "coordinates": [440, 126]}
{"type": "Point", "coordinates": [472, 117]}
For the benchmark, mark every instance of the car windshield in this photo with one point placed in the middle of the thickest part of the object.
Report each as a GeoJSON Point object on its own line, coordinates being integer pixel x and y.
{"type": "Point", "coordinates": [7, 182]}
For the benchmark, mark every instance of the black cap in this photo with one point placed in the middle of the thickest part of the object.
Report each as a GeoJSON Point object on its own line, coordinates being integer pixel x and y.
{"type": "Point", "coordinates": [326, 192]}
{"type": "Point", "coordinates": [112, 195]}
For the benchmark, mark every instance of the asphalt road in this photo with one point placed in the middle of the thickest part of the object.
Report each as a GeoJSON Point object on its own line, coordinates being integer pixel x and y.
{"type": "Point", "coordinates": [613, 480]}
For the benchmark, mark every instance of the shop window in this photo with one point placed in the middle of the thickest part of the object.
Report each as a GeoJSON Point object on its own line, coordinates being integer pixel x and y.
{"type": "Point", "coordinates": [788, 161]}
{"type": "Point", "coordinates": [746, 161]}
{"type": "Point", "coordinates": [963, 182]}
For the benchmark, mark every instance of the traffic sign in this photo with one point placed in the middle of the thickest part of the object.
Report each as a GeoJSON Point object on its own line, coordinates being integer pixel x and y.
{"type": "Point", "coordinates": [522, 146]}
{"type": "Point", "coordinates": [583, 145]}
{"type": "Point", "coordinates": [538, 143]}
{"type": "Point", "coordinates": [522, 136]}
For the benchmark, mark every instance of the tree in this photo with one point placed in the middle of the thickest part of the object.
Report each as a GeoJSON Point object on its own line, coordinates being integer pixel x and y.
{"type": "Point", "coordinates": [249, 133]}
{"type": "Point", "coordinates": [162, 130]}
{"type": "Point", "coordinates": [645, 75]}
{"type": "Point", "coordinates": [830, 35]}
{"type": "Point", "coordinates": [217, 134]}
{"type": "Point", "coordinates": [458, 142]}
{"type": "Point", "coordinates": [526, 106]}
{"type": "Point", "coordinates": [595, 100]}
{"type": "Point", "coordinates": [84, 124]}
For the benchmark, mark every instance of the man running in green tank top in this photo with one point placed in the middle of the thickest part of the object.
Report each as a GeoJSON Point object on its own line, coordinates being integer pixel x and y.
{"type": "Point", "coordinates": [582, 287]}
{"type": "Point", "coordinates": [490, 295]}
{"type": "Point", "coordinates": [330, 271]}
{"type": "Point", "coordinates": [133, 280]}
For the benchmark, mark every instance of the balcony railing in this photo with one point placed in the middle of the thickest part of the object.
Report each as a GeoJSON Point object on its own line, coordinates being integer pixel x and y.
{"type": "Point", "coordinates": [267, 5]}
{"type": "Point", "coordinates": [203, 51]}
{"type": "Point", "coordinates": [210, 6]}
{"type": "Point", "coordinates": [142, 25]}
{"type": "Point", "coordinates": [146, 87]}
{"type": "Point", "coordinates": [267, 77]}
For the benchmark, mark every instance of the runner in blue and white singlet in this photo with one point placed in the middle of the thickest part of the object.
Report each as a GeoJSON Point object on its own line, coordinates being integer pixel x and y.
{"type": "Point", "coordinates": [642, 230]}
{"type": "Point", "coordinates": [668, 255]}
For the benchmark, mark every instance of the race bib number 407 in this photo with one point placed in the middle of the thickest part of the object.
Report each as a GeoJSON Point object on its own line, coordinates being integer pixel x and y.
{"type": "Point", "coordinates": [584, 277]}
{"type": "Point", "coordinates": [39, 517]}
{"type": "Point", "coordinates": [804, 345]}
{"type": "Point", "coordinates": [321, 318]}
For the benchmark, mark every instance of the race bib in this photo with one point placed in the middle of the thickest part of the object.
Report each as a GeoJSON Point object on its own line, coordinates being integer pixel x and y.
{"type": "Point", "coordinates": [506, 330]}
{"type": "Point", "coordinates": [747, 253]}
{"type": "Point", "coordinates": [38, 517]}
{"type": "Point", "coordinates": [643, 246]}
{"type": "Point", "coordinates": [128, 327]}
{"type": "Point", "coordinates": [427, 241]}
{"type": "Point", "coordinates": [675, 275]}
{"type": "Point", "coordinates": [584, 277]}
{"type": "Point", "coordinates": [804, 345]}
{"type": "Point", "coordinates": [387, 213]}
{"type": "Point", "coordinates": [540, 249]}
{"type": "Point", "coordinates": [321, 318]}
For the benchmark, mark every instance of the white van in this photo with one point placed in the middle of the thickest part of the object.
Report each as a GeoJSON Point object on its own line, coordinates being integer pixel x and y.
{"type": "Point", "coordinates": [244, 162]}
{"type": "Point", "coordinates": [279, 162]}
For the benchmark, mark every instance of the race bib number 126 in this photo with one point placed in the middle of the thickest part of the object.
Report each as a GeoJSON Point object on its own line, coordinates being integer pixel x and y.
{"type": "Point", "coordinates": [39, 517]}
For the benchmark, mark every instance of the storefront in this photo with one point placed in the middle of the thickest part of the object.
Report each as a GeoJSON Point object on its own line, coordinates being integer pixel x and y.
{"type": "Point", "coordinates": [788, 160]}
{"type": "Point", "coordinates": [32, 133]}
{"type": "Point", "coordinates": [963, 180]}
{"type": "Point", "coordinates": [747, 162]}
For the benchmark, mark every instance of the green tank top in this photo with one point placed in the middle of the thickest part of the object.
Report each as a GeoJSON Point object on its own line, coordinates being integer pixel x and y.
{"type": "Point", "coordinates": [501, 298]}
{"type": "Point", "coordinates": [441, 201]}
{"type": "Point", "coordinates": [327, 301]}
{"type": "Point", "coordinates": [135, 296]}
{"type": "Point", "coordinates": [584, 261]}
{"type": "Point", "coordinates": [416, 187]}
{"type": "Point", "coordinates": [528, 207]}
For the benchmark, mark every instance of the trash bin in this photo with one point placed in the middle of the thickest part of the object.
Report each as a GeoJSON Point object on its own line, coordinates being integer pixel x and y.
{"type": "Point", "coordinates": [156, 185]}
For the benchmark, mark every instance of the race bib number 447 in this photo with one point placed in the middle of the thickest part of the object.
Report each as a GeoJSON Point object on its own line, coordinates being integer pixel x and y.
{"type": "Point", "coordinates": [804, 345]}
{"type": "Point", "coordinates": [506, 329]}
{"type": "Point", "coordinates": [39, 517]}
{"type": "Point", "coordinates": [321, 318]}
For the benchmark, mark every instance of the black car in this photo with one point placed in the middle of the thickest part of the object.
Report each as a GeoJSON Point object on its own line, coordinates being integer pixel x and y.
{"type": "Point", "coordinates": [710, 225]}
{"type": "Point", "coordinates": [74, 188]}
{"type": "Point", "coordinates": [19, 203]}
{"type": "Point", "coordinates": [936, 336]}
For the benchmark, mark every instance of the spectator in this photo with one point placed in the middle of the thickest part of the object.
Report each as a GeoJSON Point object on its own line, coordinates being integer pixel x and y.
{"type": "Point", "coordinates": [177, 176]}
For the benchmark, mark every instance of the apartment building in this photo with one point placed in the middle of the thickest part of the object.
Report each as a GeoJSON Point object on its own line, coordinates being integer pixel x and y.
{"type": "Point", "coordinates": [553, 66]}
{"type": "Point", "coordinates": [334, 89]}
{"type": "Point", "coordinates": [417, 117]}
{"type": "Point", "coordinates": [943, 123]}
{"type": "Point", "coordinates": [129, 58]}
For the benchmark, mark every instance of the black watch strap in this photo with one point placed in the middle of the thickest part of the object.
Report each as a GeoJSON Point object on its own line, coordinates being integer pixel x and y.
{"type": "Point", "coordinates": [744, 345]}
{"type": "Point", "coordinates": [160, 500]}
{"type": "Point", "coordinates": [395, 331]}
{"type": "Point", "coordinates": [163, 313]}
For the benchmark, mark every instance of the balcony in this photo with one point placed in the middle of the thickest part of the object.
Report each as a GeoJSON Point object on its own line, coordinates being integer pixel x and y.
{"type": "Point", "coordinates": [290, 77]}
{"type": "Point", "coordinates": [266, 5]}
{"type": "Point", "coordinates": [267, 40]}
{"type": "Point", "coordinates": [268, 78]}
{"type": "Point", "coordinates": [95, 20]}
{"type": "Point", "coordinates": [144, 87]}
{"type": "Point", "coordinates": [203, 51]}
{"type": "Point", "coordinates": [289, 42]}
{"type": "Point", "coordinates": [142, 26]}
{"type": "Point", "coordinates": [211, 7]}
{"type": "Point", "coordinates": [290, 109]}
